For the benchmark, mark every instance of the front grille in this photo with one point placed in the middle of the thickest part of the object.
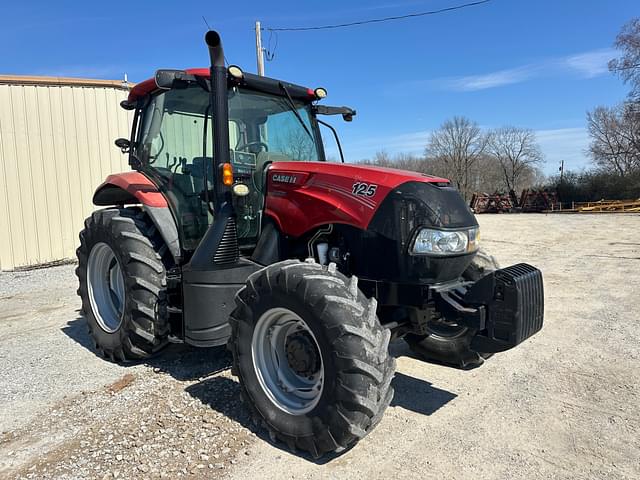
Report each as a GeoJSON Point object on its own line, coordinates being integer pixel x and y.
{"type": "Point", "coordinates": [227, 251]}
{"type": "Point", "coordinates": [518, 308]}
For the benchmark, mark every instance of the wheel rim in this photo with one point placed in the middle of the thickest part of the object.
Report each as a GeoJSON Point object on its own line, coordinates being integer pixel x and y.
{"type": "Point", "coordinates": [446, 331]}
{"type": "Point", "coordinates": [106, 287]}
{"type": "Point", "coordinates": [287, 361]}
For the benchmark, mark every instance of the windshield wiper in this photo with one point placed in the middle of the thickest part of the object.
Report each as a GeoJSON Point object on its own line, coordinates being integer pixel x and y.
{"type": "Point", "coordinates": [293, 108]}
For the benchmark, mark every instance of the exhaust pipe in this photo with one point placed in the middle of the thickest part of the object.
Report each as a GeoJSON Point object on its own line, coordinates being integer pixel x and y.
{"type": "Point", "coordinates": [223, 229]}
{"type": "Point", "coordinates": [219, 109]}
{"type": "Point", "coordinates": [216, 52]}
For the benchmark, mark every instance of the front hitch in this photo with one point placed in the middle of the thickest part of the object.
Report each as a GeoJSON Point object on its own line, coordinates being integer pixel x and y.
{"type": "Point", "coordinates": [505, 307]}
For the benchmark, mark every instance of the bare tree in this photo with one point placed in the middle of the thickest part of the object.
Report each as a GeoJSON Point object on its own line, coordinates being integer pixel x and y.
{"type": "Point", "coordinates": [382, 159]}
{"type": "Point", "coordinates": [409, 161]}
{"type": "Point", "coordinates": [458, 144]}
{"type": "Point", "coordinates": [517, 152]}
{"type": "Point", "coordinates": [486, 175]}
{"type": "Point", "coordinates": [615, 138]}
{"type": "Point", "coordinates": [461, 145]}
{"type": "Point", "coordinates": [534, 177]}
{"type": "Point", "coordinates": [628, 65]}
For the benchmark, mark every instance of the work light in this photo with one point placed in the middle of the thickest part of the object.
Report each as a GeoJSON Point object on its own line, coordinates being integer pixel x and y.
{"type": "Point", "coordinates": [236, 72]}
{"type": "Point", "coordinates": [320, 93]}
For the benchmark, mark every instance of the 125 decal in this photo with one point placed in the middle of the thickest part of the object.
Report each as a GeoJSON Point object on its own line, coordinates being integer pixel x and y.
{"type": "Point", "coordinates": [364, 189]}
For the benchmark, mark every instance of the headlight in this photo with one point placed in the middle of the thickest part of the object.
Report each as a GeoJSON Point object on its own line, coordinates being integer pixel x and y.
{"type": "Point", "coordinates": [445, 242]}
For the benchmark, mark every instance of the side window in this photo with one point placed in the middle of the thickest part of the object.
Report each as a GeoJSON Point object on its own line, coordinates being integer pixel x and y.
{"type": "Point", "coordinates": [170, 149]}
{"type": "Point", "coordinates": [172, 129]}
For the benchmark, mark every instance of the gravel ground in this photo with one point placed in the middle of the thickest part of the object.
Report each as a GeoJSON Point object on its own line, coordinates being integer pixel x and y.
{"type": "Point", "coordinates": [66, 413]}
{"type": "Point", "coordinates": [562, 405]}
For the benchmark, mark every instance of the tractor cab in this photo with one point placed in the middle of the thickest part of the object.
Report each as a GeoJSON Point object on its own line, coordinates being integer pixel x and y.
{"type": "Point", "coordinates": [268, 121]}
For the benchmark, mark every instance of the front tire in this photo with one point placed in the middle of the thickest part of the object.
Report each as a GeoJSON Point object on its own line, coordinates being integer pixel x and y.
{"type": "Point", "coordinates": [311, 356]}
{"type": "Point", "coordinates": [452, 344]}
{"type": "Point", "coordinates": [122, 264]}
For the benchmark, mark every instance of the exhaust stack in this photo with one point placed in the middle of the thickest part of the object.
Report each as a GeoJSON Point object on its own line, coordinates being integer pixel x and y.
{"type": "Point", "coordinates": [216, 52]}
{"type": "Point", "coordinates": [219, 109]}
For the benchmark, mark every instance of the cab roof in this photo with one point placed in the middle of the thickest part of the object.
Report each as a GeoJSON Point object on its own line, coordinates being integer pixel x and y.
{"type": "Point", "coordinates": [259, 83]}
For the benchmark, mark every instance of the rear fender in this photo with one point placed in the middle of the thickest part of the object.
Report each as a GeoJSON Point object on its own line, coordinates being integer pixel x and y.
{"type": "Point", "coordinates": [128, 188]}
{"type": "Point", "coordinates": [133, 188]}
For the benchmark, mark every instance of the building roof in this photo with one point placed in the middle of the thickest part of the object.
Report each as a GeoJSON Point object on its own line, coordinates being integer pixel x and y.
{"type": "Point", "coordinates": [63, 81]}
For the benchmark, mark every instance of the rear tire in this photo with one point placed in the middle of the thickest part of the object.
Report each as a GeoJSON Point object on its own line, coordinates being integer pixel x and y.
{"type": "Point", "coordinates": [452, 345]}
{"type": "Point", "coordinates": [341, 384]}
{"type": "Point", "coordinates": [122, 265]}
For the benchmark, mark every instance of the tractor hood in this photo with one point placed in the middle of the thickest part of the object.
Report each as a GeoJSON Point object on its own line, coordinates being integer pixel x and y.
{"type": "Point", "coordinates": [387, 177]}
{"type": "Point", "coordinates": [304, 195]}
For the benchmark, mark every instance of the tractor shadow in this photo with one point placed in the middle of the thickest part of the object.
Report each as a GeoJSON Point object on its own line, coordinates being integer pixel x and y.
{"type": "Point", "coordinates": [182, 362]}
{"type": "Point", "coordinates": [222, 394]}
{"type": "Point", "coordinates": [412, 393]}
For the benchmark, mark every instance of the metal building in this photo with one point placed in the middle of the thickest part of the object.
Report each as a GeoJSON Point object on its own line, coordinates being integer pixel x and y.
{"type": "Point", "coordinates": [56, 146]}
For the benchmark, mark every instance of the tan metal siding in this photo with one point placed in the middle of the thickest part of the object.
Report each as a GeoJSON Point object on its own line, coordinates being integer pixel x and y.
{"type": "Point", "coordinates": [56, 147]}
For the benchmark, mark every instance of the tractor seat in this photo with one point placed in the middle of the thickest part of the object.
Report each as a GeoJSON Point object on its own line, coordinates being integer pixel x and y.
{"type": "Point", "coordinates": [196, 169]}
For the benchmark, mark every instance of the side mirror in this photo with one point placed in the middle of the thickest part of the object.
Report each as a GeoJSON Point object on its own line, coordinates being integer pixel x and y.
{"type": "Point", "coordinates": [346, 112]}
{"type": "Point", "coordinates": [127, 105]}
{"type": "Point", "coordinates": [123, 144]}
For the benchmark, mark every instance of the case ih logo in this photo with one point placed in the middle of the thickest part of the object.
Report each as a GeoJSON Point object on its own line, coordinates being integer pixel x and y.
{"type": "Point", "coordinates": [281, 178]}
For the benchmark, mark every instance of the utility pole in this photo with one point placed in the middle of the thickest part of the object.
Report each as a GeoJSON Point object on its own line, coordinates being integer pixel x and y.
{"type": "Point", "coordinates": [259, 50]}
{"type": "Point", "coordinates": [559, 189]}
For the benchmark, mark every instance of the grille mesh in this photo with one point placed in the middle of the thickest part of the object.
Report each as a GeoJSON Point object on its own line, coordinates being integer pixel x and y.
{"type": "Point", "coordinates": [227, 251]}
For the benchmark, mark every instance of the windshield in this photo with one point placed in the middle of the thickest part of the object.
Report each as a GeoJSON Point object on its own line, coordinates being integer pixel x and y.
{"type": "Point", "coordinates": [259, 123]}
{"type": "Point", "coordinates": [264, 123]}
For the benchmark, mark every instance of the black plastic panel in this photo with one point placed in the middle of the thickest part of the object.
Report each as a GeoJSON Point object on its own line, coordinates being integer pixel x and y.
{"type": "Point", "coordinates": [382, 252]}
{"type": "Point", "coordinates": [207, 309]}
{"type": "Point", "coordinates": [516, 310]}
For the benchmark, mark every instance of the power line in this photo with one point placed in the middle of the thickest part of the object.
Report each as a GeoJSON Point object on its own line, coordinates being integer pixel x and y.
{"type": "Point", "coordinates": [377, 20]}
{"type": "Point", "coordinates": [270, 53]}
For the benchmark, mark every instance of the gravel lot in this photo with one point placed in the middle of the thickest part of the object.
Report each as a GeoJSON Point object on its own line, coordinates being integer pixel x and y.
{"type": "Point", "coordinates": [565, 404]}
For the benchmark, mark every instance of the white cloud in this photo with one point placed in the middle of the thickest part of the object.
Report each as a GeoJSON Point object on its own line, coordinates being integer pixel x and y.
{"type": "Point", "coordinates": [591, 64]}
{"type": "Point", "coordinates": [491, 80]}
{"type": "Point", "coordinates": [587, 65]}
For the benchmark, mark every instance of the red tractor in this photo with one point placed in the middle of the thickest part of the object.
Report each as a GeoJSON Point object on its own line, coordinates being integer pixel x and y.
{"type": "Point", "coordinates": [233, 229]}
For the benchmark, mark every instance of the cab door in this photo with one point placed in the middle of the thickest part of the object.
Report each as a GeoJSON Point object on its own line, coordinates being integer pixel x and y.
{"type": "Point", "coordinates": [171, 150]}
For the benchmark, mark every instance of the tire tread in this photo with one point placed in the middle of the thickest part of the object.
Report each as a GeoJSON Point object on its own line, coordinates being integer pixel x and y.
{"type": "Point", "coordinates": [130, 231]}
{"type": "Point", "coordinates": [360, 344]}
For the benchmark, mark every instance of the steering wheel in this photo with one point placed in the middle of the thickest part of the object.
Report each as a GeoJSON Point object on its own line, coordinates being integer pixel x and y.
{"type": "Point", "coordinates": [249, 144]}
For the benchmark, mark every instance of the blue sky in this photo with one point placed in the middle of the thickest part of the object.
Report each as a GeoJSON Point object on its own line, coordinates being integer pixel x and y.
{"type": "Point", "coordinates": [539, 64]}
